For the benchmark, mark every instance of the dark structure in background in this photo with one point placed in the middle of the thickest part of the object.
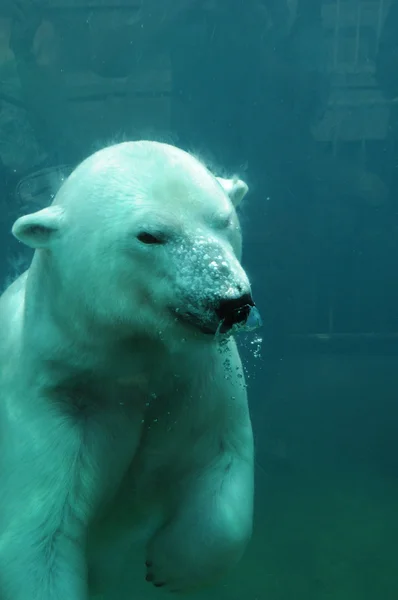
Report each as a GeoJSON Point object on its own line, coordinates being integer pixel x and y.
{"type": "Point", "coordinates": [299, 93]}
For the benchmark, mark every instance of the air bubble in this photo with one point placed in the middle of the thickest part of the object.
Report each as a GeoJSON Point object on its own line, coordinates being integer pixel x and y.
{"type": "Point", "coordinates": [256, 346]}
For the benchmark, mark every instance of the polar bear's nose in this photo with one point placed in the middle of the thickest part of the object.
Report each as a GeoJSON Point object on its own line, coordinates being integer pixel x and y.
{"type": "Point", "coordinates": [234, 311]}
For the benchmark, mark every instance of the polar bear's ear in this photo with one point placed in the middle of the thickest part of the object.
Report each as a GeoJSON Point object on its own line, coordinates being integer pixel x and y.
{"type": "Point", "coordinates": [38, 229]}
{"type": "Point", "coordinates": [235, 188]}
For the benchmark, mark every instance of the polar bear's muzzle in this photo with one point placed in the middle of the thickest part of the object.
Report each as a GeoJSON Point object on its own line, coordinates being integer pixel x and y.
{"type": "Point", "coordinates": [213, 290]}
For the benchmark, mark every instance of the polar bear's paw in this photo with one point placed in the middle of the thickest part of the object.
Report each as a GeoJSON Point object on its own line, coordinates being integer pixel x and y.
{"type": "Point", "coordinates": [173, 579]}
{"type": "Point", "coordinates": [151, 576]}
{"type": "Point", "coordinates": [189, 562]}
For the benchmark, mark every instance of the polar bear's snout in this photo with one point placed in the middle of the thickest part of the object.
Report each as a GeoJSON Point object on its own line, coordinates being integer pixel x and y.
{"type": "Point", "coordinates": [214, 289]}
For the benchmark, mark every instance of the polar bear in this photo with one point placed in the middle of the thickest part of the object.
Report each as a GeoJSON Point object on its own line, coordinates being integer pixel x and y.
{"type": "Point", "coordinates": [123, 408]}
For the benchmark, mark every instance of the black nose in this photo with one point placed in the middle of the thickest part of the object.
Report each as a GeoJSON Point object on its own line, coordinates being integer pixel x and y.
{"type": "Point", "coordinates": [234, 311]}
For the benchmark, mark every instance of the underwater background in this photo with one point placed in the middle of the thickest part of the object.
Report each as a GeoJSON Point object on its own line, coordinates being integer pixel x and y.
{"type": "Point", "coordinates": [300, 99]}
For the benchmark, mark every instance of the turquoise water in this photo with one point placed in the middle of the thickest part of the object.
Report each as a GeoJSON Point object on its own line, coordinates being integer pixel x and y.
{"type": "Point", "coordinates": [299, 98]}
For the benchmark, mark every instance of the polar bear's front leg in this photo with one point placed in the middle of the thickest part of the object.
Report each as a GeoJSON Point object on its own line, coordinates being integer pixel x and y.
{"type": "Point", "coordinates": [47, 567]}
{"type": "Point", "coordinates": [209, 531]}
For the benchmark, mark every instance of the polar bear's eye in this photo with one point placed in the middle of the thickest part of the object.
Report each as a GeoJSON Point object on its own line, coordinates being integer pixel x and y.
{"type": "Point", "coordinates": [223, 221]}
{"type": "Point", "coordinates": [226, 222]}
{"type": "Point", "coordinates": [148, 238]}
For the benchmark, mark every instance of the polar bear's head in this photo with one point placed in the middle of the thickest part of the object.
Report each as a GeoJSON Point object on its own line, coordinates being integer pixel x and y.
{"type": "Point", "coordinates": [143, 238]}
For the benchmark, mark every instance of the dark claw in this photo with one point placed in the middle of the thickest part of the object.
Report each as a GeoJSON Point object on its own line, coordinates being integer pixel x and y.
{"type": "Point", "coordinates": [149, 577]}
{"type": "Point", "coordinates": [159, 584]}
{"type": "Point", "coordinates": [148, 563]}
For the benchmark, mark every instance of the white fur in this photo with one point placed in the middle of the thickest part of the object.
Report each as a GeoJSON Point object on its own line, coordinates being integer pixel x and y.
{"type": "Point", "coordinates": [118, 419]}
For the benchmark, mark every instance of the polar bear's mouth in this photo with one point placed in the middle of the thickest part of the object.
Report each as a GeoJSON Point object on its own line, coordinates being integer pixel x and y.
{"type": "Point", "coordinates": [244, 316]}
{"type": "Point", "coordinates": [195, 321]}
